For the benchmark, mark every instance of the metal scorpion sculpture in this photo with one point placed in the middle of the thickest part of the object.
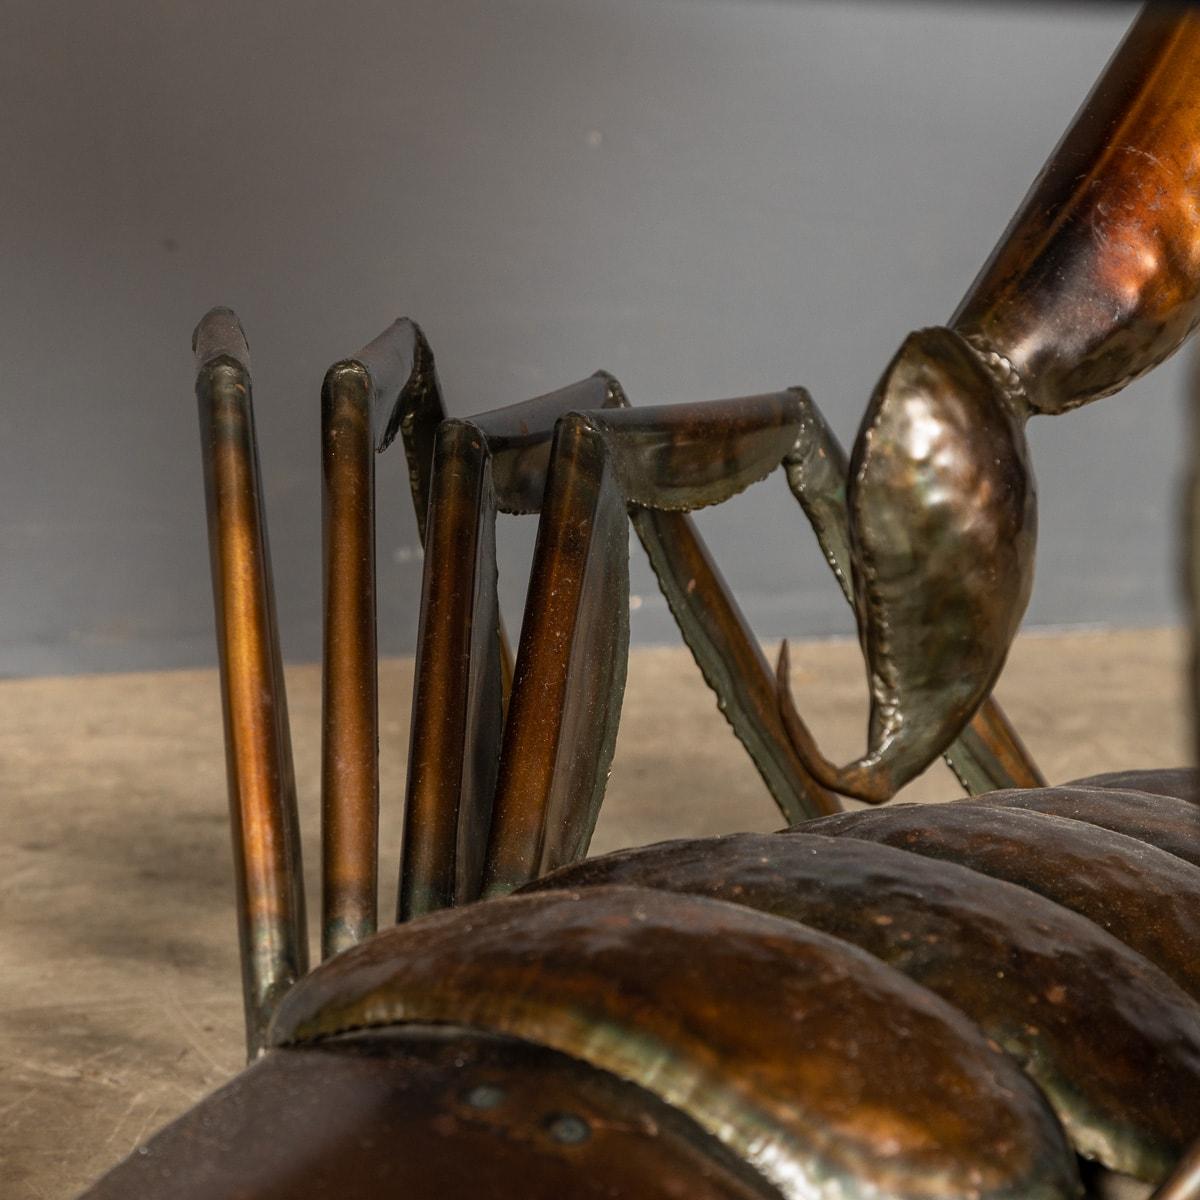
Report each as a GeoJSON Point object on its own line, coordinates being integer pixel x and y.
{"type": "Point", "coordinates": [993, 997]}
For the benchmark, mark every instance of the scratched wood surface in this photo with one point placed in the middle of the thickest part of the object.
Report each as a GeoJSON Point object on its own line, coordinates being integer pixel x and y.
{"type": "Point", "coordinates": [119, 997]}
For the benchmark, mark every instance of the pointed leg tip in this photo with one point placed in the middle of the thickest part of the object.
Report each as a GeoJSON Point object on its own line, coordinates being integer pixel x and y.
{"type": "Point", "coordinates": [783, 663]}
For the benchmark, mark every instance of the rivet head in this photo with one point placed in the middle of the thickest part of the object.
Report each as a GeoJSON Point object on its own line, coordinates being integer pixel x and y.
{"type": "Point", "coordinates": [568, 1129]}
{"type": "Point", "coordinates": [485, 1096]}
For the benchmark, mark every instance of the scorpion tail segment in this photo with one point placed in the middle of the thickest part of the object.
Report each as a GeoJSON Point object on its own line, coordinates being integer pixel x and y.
{"type": "Point", "coordinates": [457, 702]}
{"type": "Point", "coordinates": [1097, 278]}
{"type": "Point", "coordinates": [1166, 821]}
{"type": "Point", "coordinates": [681, 457]}
{"type": "Point", "coordinates": [435, 1112]}
{"type": "Point", "coordinates": [570, 671]}
{"type": "Point", "coordinates": [943, 522]}
{"type": "Point", "coordinates": [1144, 896]}
{"type": "Point", "coordinates": [262, 787]}
{"type": "Point", "coordinates": [826, 1070]}
{"type": "Point", "coordinates": [1181, 782]}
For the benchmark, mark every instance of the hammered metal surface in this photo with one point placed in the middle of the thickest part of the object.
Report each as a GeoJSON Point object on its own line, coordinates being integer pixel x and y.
{"type": "Point", "coordinates": [1147, 898]}
{"type": "Point", "coordinates": [1167, 822]}
{"type": "Point", "coordinates": [807, 1057]}
{"type": "Point", "coordinates": [1113, 1042]}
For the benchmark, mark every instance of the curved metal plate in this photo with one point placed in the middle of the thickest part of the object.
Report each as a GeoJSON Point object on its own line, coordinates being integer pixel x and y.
{"type": "Point", "coordinates": [988, 753]}
{"type": "Point", "coordinates": [818, 1064]}
{"type": "Point", "coordinates": [1183, 782]}
{"type": "Point", "coordinates": [680, 457]}
{"type": "Point", "coordinates": [1147, 898]}
{"type": "Point", "coordinates": [1113, 1043]}
{"type": "Point", "coordinates": [1169, 823]}
{"type": "Point", "coordinates": [519, 438]}
{"type": "Point", "coordinates": [420, 1113]}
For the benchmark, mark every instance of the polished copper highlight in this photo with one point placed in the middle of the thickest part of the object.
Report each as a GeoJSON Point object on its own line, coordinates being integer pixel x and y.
{"type": "Point", "coordinates": [262, 786]}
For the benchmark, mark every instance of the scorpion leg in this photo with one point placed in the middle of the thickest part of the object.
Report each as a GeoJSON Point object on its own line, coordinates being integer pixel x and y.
{"type": "Point", "coordinates": [570, 668]}
{"type": "Point", "coordinates": [727, 653]}
{"type": "Point", "coordinates": [349, 677]}
{"type": "Point", "coordinates": [392, 389]}
{"type": "Point", "coordinates": [457, 697]}
{"type": "Point", "coordinates": [262, 789]}
{"type": "Point", "coordinates": [988, 753]}
{"type": "Point", "coordinates": [416, 417]}
{"type": "Point", "coordinates": [394, 380]}
{"type": "Point", "coordinates": [653, 462]}
{"type": "Point", "coordinates": [729, 657]}
{"type": "Point", "coordinates": [1095, 282]}
{"type": "Point", "coordinates": [496, 461]}
{"type": "Point", "coordinates": [704, 608]}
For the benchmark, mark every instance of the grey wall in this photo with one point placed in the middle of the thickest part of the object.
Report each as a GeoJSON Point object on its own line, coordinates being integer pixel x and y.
{"type": "Point", "coordinates": [706, 197]}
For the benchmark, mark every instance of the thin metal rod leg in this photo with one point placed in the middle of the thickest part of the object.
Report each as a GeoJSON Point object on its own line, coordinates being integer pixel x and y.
{"type": "Point", "coordinates": [457, 702]}
{"type": "Point", "coordinates": [684, 456]}
{"type": "Point", "coordinates": [271, 918]}
{"type": "Point", "coordinates": [729, 657]}
{"type": "Point", "coordinates": [350, 729]}
{"type": "Point", "coordinates": [989, 754]}
{"type": "Point", "coordinates": [570, 669]}
{"type": "Point", "coordinates": [495, 461]}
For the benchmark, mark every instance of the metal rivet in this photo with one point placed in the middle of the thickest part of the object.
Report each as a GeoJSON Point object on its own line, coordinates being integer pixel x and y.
{"type": "Point", "coordinates": [485, 1095]}
{"type": "Point", "coordinates": [568, 1129]}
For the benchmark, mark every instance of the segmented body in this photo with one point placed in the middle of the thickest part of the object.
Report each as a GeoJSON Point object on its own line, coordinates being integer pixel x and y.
{"type": "Point", "coordinates": [953, 1000]}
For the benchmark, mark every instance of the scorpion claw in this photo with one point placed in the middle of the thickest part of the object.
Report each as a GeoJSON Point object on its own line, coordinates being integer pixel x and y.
{"type": "Point", "coordinates": [868, 779]}
{"type": "Point", "coordinates": [943, 521]}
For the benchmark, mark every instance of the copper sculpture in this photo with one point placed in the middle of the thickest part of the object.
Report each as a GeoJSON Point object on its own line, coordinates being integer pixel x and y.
{"type": "Point", "coordinates": [1096, 281]}
{"type": "Point", "coordinates": [992, 997]}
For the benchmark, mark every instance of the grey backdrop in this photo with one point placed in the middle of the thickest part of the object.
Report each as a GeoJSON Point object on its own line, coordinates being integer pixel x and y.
{"type": "Point", "coordinates": [706, 197]}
